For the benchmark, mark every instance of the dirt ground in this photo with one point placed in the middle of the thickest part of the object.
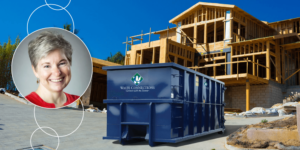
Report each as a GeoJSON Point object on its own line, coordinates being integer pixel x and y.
{"type": "Point", "coordinates": [239, 138]}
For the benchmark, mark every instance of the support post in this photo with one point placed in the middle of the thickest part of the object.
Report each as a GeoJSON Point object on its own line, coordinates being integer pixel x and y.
{"type": "Point", "coordinates": [283, 65]}
{"type": "Point", "coordinates": [257, 68]}
{"type": "Point", "coordinates": [215, 28]}
{"type": "Point", "coordinates": [277, 62]}
{"type": "Point", "coordinates": [239, 31]}
{"type": "Point", "coordinates": [126, 52]}
{"type": "Point", "coordinates": [195, 29]}
{"type": "Point", "coordinates": [268, 61]}
{"type": "Point", "coordinates": [253, 64]}
{"type": "Point", "coordinates": [153, 57]}
{"type": "Point", "coordinates": [149, 37]}
{"type": "Point", "coordinates": [247, 95]}
{"type": "Point", "coordinates": [215, 69]}
{"type": "Point", "coordinates": [142, 56]}
{"type": "Point", "coordinates": [142, 37]}
{"type": "Point", "coordinates": [205, 31]}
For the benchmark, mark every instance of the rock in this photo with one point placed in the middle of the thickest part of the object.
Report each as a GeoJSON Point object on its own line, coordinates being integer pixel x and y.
{"type": "Point", "coordinates": [258, 110]}
{"type": "Point", "coordinates": [278, 105]}
{"type": "Point", "coordinates": [271, 110]}
{"type": "Point", "coordinates": [260, 144]}
{"type": "Point", "coordinates": [291, 104]}
{"type": "Point", "coordinates": [281, 112]}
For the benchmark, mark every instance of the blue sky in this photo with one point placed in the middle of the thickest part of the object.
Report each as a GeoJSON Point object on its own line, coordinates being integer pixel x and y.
{"type": "Point", "coordinates": [104, 25]}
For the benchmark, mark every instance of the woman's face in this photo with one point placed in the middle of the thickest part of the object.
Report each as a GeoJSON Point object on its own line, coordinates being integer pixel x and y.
{"type": "Point", "coordinates": [53, 71]}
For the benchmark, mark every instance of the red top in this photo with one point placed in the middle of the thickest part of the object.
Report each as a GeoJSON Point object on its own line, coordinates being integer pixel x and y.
{"type": "Point", "coordinates": [37, 100]}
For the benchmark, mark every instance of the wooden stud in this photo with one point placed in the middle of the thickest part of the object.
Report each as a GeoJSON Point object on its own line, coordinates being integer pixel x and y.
{"type": "Point", "coordinates": [153, 56]}
{"type": "Point", "coordinates": [257, 68]}
{"type": "Point", "coordinates": [141, 58]}
{"type": "Point", "coordinates": [253, 65]}
{"type": "Point", "coordinates": [215, 69]}
{"type": "Point", "coordinates": [202, 13]}
{"type": "Point", "coordinates": [283, 65]}
{"type": "Point", "coordinates": [195, 30]}
{"type": "Point", "coordinates": [247, 95]}
{"type": "Point", "coordinates": [277, 62]}
{"type": "Point", "coordinates": [268, 74]}
{"type": "Point", "coordinates": [239, 31]}
{"type": "Point", "coordinates": [288, 66]}
{"type": "Point", "coordinates": [246, 28]}
{"type": "Point", "coordinates": [142, 37]}
{"type": "Point", "coordinates": [149, 37]}
{"type": "Point", "coordinates": [231, 27]}
{"type": "Point", "coordinates": [237, 69]}
{"type": "Point", "coordinates": [247, 68]}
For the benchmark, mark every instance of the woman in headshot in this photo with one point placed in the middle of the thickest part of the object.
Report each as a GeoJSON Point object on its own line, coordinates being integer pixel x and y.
{"type": "Point", "coordinates": [51, 58]}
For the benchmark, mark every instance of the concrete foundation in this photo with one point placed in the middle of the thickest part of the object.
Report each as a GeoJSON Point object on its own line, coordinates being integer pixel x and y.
{"type": "Point", "coordinates": [260, 96]}
{"type": "Point", "coordinates": [277, 135]}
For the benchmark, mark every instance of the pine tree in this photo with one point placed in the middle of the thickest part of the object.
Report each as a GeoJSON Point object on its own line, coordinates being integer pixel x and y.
{"type": "Point", "coordinates": [6, 53]}
{"type": "Point", "coordinates": [117, 58]}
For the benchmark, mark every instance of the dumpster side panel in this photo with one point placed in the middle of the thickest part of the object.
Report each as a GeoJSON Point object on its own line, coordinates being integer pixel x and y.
{"type": "Point", "coordinates": [177, 116]}
{"type": "Point", "coordinates": [135, 113]}
{"type": "Point", "coordinates": [154, 84]}
{"type": "Point", "coordinates": [212, 105]}
{"type": "Point", "coordinates": [162, 121]}
{"type": "Point", "coordinates": [113, 120]}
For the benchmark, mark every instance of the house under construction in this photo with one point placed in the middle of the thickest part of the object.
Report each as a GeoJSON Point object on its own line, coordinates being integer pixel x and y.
{"type": "Point", "coordinates": [258, 61]}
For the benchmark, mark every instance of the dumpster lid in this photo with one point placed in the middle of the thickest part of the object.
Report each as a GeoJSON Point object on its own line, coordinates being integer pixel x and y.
{"type": "Point", "coordinates": [157, 65]}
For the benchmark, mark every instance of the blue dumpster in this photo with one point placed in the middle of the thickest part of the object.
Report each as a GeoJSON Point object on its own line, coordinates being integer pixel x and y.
{"type": "Point", "coordinates": [162, 103]}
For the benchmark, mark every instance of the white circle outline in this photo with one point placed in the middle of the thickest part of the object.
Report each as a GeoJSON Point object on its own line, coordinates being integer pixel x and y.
{"type": "Point", "coordinates": [42, 130]}
{"type": "Point", "coordinates": [37, 31]}
{"type": "Point", "coordinates": [57, 9]}
{"type": "Point", "coordinates": [57, 134]}
{"type": "Point", "coordinates": [54, 5]}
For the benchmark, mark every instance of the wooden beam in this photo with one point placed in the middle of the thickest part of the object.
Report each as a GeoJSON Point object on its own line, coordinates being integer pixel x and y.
{"type": "Point", "coordinates": [142, 53]}
{"type": "Point", "coordinates": [277, 62]}
{"type": "Point", "coordinates": [149, 37]}
{"type": "Point", "coordinates": [237, 69]}
{"type": "Point", "coordinates": [268, 61]}
{"type": "Point", "coordinates": [283, 64]}
{"type": "Point", "coordinates": [100, 71]}
{"type": "Point", "coordinates": [195, 29]}
{"type": "Point", "coordinates": [153, 56]}
{"type": "Point", "coordinates": [253, 65]}
{"type": "Point", "coordinates": [251, 54]}
{"type": "Point", "coordinates": [247, 95]}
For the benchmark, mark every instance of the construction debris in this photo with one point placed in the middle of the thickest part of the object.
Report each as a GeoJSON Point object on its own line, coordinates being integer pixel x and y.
{"type": "Point", "coordinates": [289, 108]}
{"type": "Point", "coordinates": [241, 140]}
{"type": "Point", "coordinates": [95, 109]}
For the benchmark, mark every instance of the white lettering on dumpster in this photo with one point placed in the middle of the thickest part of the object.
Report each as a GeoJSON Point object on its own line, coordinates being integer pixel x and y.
{"type": "Point", "coordinates": [137, 88]}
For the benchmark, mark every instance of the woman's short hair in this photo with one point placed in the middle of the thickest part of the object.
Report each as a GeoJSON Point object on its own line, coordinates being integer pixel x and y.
{"type": "Point", "coordinates": [45, 43]}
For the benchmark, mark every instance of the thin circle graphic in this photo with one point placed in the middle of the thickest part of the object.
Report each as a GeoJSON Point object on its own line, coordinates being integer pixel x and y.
{"type": "Point", "coordinates": [44, 132]}
{"type": "Point", "coordinates": [57, 9]}
{"type": "Point", "coordinates": [57, 134]}
{"type": "Point", "coordinates": [54, 5]}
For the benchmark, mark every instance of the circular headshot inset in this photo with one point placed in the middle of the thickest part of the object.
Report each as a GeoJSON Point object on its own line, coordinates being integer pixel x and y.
{"type": "Point", "coordinates": [52, 68]}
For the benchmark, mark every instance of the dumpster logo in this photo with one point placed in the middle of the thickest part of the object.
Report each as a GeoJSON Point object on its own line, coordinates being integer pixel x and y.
{"type": "Point", "coordinates": [137, 79]}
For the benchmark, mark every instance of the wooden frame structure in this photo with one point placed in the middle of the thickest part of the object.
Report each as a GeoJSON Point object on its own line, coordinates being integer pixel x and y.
{"type": "Point", "coordinates": [226, 43]}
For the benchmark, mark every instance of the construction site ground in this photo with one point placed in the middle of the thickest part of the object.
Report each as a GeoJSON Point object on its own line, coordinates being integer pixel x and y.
{"type": "Point", "coordinates": [17, 124]}
{"type": "Point", "coordinates": [240, 137]}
